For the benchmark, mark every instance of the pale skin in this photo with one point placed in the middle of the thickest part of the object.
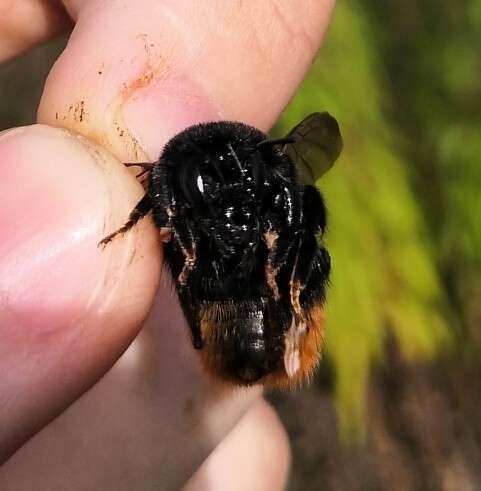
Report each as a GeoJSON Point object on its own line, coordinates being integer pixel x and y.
{"type": "Point", "coordinates": [133, 75]}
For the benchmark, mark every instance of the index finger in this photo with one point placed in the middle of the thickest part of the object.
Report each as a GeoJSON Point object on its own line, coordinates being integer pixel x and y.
{"type": "Point", "coordinates": [135, 74]}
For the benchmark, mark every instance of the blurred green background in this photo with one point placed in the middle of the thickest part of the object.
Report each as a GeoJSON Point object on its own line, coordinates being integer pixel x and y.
{"type": "Point", "coordinates": [400, 387]}
{"type": "Point", "coordinates": [397, 402]}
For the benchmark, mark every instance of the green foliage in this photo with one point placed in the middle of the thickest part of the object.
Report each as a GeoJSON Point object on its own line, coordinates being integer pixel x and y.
{"type": "Point", "coordinates": [432, 53]}
{"type": "Point", "coordinates": [385, 276]}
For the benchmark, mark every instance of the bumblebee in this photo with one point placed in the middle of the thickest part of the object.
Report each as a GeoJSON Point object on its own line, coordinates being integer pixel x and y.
{"type": "Point", "coordinates": [245, 251]}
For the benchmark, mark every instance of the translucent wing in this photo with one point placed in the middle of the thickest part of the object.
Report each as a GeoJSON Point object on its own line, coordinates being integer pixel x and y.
{"type": "Point", "coordinates": [314, 145]}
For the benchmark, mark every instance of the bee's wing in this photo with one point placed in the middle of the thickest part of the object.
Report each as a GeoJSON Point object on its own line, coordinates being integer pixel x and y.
{"type": "Point", "coordinates": [314, 145]}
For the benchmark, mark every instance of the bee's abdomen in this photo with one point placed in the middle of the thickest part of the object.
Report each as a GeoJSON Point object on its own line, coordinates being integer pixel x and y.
{"type": "Point", "coordinates": [237, 345]}
{"type": "Point", "coordinates": [249, 362]}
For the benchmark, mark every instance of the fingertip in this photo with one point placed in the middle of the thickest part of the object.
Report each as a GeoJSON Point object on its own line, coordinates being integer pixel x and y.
{"type": "Point", "coordinates": [255, 455]}
{"type": "Point", "coordinates": [130, 86]}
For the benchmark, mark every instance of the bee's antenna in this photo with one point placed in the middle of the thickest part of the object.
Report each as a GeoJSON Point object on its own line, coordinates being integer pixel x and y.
{"type": "Point", "coordinates": [144, 165]}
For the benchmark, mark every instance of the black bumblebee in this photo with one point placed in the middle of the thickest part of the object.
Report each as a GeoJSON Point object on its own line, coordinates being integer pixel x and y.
{"type": "Point", "coordinates": [245, 254]}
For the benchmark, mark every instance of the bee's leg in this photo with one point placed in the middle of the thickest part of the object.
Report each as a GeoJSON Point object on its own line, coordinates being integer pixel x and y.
{"type": "Point", "coordinates": [145, 165]}
{"type": "Point", "coordinates": [311, 262]}
{"type": "Point", "coordinates": [186, 240]}
{"type": "Point", "coordinates": [143, 207]}
{"type": "Point", "coordinates": [310, 256]}
{"type": "Point", "coordinates": [280, 227]}
{"type": "Point", "coordinates": [314, 214]}
{"type": "Point", "coordinates": [278, 246]}
{"type": "Point", "coordinates": [271, 237]}
{"type": "Point", "coordinates": [313, 223]}
{"type": "Point", "coordinates": [168, 212]}
{"type": "Point", "coordinates": [309, 275]}
{"type": "Point", "coordinates": [298, 326]}
{"type": "Point", "coordinates": [142, 175]}
{"type": "Point", "coordinates": [305, 258]}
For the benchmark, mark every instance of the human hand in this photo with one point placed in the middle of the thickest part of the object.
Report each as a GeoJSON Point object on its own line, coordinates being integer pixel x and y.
{"type": "Point", "coordinates": [132, 76]}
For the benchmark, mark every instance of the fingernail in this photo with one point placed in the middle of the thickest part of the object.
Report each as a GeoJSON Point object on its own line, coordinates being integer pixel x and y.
{"type": "Point", "coordinates": [155, 113]}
